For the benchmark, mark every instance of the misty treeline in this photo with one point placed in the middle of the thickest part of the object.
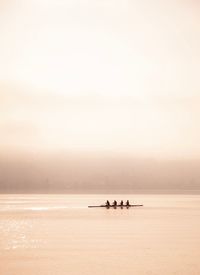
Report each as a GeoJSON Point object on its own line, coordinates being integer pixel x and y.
{"type": "Point", "coordinates": [97, 175]}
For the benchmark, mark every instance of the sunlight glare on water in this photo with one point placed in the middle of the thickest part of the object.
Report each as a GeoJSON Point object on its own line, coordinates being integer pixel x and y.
{"type": "Point", "coordinates": [59, 234]}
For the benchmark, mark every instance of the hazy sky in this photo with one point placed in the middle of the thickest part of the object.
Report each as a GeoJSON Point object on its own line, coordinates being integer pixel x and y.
{"type": "Point", "coordinates": [117, 76]}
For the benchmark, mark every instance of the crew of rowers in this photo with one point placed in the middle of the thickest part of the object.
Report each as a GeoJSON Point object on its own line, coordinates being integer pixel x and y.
{"type": "Point", "coordinates": [115, 203]}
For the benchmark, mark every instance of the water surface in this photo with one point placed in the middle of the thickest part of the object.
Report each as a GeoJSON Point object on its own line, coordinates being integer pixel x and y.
{"type": "Point", "coordinates": [58, 234]}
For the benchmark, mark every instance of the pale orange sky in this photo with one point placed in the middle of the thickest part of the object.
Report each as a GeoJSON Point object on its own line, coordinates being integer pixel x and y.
{"type": "Point", "coordinates": [117, 76]}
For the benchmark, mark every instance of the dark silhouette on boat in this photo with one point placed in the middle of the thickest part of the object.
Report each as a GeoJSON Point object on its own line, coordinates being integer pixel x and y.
{"type": "Point", "coordinates": [115, 205]}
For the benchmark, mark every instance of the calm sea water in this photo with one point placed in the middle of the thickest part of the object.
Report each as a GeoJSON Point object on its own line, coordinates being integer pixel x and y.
{"type": "Point", "coordinates": [58, 234]}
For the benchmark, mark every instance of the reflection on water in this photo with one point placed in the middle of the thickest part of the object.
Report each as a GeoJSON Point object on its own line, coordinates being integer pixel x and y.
{"type": "Point", "coordinates": [14, 233]}
{"type": "Point", "coordinates": [58, 234]}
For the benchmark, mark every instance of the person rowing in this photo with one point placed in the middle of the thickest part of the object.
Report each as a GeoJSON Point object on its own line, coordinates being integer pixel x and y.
{"type": "Point", "coordinates": [107, 203]}
{"type": "Point", "coordinates": [127, 203]}
{"type": "Point", "coordinates": [115, 203]}
{"type": "Point", "coordinates": [121, 203]}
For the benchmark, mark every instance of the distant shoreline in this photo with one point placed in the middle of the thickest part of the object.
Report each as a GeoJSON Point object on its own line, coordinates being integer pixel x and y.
{"type": "Point", "coordinates": [109, 192]}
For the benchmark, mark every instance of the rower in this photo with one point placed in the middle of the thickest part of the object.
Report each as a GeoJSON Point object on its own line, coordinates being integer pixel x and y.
{"type": "Point", "coordinates": [107, 203]}
{"type": "Point", "coordinates": [115, 203]}
{"type": "Point", "coordinates": [127, 203]}
{"type": "Point", "coordinates": [121, 203]}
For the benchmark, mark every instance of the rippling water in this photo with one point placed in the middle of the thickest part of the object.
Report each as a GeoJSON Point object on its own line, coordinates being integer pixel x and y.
{"type": "Point", "coordinates": [58, 234]}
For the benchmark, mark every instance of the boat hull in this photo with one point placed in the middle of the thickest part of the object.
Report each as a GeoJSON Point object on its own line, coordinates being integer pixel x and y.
{"type": "Point", "coordinates": [115, 206]}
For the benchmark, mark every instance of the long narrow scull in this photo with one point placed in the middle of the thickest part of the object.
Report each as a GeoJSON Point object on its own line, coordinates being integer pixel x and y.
{"type": "Point", "coordinates": [115, 206]}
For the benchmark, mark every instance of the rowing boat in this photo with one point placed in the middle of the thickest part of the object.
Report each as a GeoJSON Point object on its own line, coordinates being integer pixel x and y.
{"type": "Point", "coordinates": [115, 206]}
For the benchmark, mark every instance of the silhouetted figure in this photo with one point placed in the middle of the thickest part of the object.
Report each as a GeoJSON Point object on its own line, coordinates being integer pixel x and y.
{"type": "Point", "coordinates": [121, 203]}
{"type": "Point", "coordinates": [127, 203]}
{"type": "Point", "coordinates": [107, 203]}
{"type": "Point", "coordinates": [115, 203]}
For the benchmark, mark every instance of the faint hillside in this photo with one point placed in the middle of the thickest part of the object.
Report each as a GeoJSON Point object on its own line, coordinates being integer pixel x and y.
{"type": "Point", "coordinates": [75, 174]}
